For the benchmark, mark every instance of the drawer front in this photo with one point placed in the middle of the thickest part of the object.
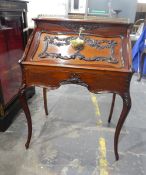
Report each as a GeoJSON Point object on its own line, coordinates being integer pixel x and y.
{"type": "Point", "coordinates": [94, 81]}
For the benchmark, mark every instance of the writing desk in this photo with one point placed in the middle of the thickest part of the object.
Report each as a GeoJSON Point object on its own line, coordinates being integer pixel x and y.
{"type": "Point", "coordinates": [101, 62]}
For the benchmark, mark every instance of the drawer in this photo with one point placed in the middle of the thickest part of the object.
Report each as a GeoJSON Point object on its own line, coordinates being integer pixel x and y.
{"type": "Point", "coordinates": [95, 81]}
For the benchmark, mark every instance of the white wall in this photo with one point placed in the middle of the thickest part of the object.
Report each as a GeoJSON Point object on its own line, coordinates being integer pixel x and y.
{"type": "Point", "coordinates": [141, 1]}
{"type": "Point", "coordinates": [49, 7]}
{"type": "Point", "coordinates": [53, 7]}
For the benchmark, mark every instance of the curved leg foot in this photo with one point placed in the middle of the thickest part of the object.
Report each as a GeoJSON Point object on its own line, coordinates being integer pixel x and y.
{"type": "Point", "coordinates": [126, 108]}
{"type": "Point", "coordinates": [45, 100]}
{"type": "Point", "coordinates": [112, 107]}
{"type": "Point", "coordinates": [24, 105]}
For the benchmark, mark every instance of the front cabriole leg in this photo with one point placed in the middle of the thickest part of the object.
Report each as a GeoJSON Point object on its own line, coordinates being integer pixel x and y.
{"type": "Point", "coordinates": [126, 108]}
{"type": "Point", "coordinates": [24, 105]}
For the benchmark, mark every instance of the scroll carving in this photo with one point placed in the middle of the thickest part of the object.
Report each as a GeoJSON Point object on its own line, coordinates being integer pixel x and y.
{"type": "Point", "coordinates": [74, 79]}
{"type": "Point", "coordinates": [76, 26]}
{"type": "Point", "coordinates": [98, 44]}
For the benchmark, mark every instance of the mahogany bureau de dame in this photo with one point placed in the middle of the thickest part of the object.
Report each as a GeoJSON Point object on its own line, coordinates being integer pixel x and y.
{"type": "Point", "coordinates": [93, 53]}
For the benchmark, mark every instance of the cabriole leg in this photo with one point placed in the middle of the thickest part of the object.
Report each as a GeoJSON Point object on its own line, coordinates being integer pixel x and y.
{"type": "Point", "coordinates": [112, 107]}
{"type": "Point", "coordinates": [45, 100]}
{"type": "Point", "coordinates": [23, 102]}
{"type": "Point", "coordinates": [126, 108]}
